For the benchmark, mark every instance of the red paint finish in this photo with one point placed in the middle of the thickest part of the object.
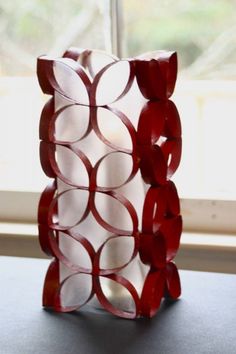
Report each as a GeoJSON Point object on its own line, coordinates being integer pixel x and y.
{"type": "Point", "coordinates": [156, 152]}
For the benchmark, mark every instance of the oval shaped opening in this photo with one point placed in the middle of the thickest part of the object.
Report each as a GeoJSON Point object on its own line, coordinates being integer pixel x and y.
{"type": "Point", "coordinates": [72, 124]}
{"type": "Point", "coordinates": [114, 170]}
{"type": "Point", "coordinates": [117, 252]}
{"type": "Point", "coordinates": [71, 167]}
{"type": "Point", "coordinates": [111, 214]}
{"type": "Point", "coordinates": [76, 290]}
{"type": "Point", "coordinates": [112, 83]}
{"type": "Point", "coordinates": [112, 129]}
{"type": "Point", "coordinates": [118, 299]}
{"type": "Point", "coordinates": [74, 251]}
{"type": "Point", "coordinates": [71, 207]}
{"type": "Point", "coordinates": [70, 83]}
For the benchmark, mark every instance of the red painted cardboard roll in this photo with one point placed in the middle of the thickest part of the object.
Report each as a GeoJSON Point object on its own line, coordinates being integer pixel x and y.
{"type": "Point", "coordinates": [110, 142]}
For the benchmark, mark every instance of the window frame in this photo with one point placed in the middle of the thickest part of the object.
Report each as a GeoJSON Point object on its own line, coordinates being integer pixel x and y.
{"type": "Point", "coordinates": [200, 215]}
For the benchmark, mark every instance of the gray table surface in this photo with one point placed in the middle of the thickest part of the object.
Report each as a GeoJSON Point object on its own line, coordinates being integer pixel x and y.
{"type": "Point", "coordinates": [202, 321]}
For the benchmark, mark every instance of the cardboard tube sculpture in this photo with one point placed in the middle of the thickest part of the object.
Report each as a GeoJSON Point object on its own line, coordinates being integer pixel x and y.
{"type": "Point", "coordinates": [110, 218]}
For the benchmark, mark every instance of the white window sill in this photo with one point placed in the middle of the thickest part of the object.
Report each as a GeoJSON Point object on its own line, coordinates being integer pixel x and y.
{"type": "Point", "coordinates": [198, 251]}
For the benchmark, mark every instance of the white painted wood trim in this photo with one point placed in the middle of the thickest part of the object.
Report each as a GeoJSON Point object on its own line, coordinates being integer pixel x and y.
{"type": "Point", "coordinates": [199, 215]}
{"type": "Point", "coordinates": [212, 216]}
{"type": "Point", "coordinates": [18, 207]}
{"type": "Point", "coordinates": [215, 254]}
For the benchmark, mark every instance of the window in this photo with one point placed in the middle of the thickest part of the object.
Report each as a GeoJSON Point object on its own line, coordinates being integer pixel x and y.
{"type": "Point", "coordinates": [203, 33]}
{"type": "Point", "coordinates": [28, 31]}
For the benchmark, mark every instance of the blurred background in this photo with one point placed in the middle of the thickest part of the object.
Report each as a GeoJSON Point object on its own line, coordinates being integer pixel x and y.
{"type": "Point", "coordinates": [202, 32]}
